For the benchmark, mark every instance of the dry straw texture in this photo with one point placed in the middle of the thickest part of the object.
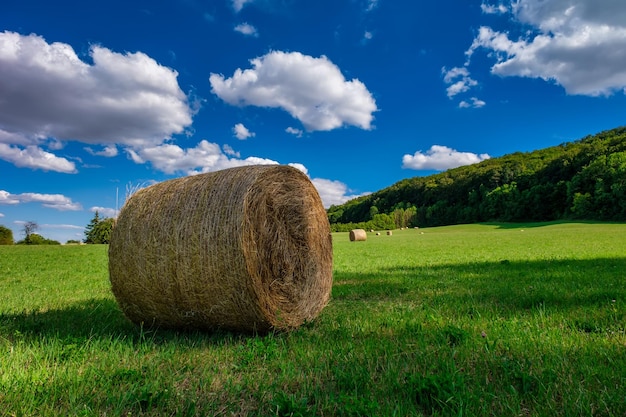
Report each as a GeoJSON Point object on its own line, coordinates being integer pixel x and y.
{"type": "Point", "coordinates": [245, 249]}
{"type": "Point", "coordinates": [358, 235]}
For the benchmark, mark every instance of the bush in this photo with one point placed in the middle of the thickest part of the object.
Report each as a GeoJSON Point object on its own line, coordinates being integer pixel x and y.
{"type": "Point", "coordinates": [35, 239]}
{"type": "Point", "coordinates": [6, 236]}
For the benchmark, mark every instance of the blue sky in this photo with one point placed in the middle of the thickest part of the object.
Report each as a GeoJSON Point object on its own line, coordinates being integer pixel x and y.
{"type": "Point", "coordinates": [98, 99]}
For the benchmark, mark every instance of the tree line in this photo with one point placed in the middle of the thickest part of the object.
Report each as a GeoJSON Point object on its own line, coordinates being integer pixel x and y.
{"type": "Point", "coordinates": [98, 231]}
{"type": "Point", "coordinates": [30, 237]}
{"type": "Point", "coordinates": [584, 180]}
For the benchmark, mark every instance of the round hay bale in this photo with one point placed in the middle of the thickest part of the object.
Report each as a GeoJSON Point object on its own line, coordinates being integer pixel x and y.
{"type": "Point", "coordinates": [358, 235]}
{"type": "Point", "coordinates": [389, 233]}
{"type": "Point", "coordinates": [244, 249]}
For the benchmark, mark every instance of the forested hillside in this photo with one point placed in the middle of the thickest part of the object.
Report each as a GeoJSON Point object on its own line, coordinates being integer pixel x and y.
{"type": "Point", "coordinates": [585, 179]}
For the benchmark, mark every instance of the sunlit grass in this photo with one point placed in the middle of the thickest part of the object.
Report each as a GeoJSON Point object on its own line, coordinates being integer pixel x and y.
{"type": "Point", "coordinates": [500, 320]}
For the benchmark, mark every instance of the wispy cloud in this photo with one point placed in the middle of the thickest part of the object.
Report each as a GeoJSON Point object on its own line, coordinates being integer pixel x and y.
{"type": "Point", "coordinates": [293, 131]}
{"type": "Point", "coordinates": [247, 29]}
{"type": "Point", "coordinates": [371, 5]}
{"type": "Point", "coordinates": [473, 103]}
{"type": "Point", "coordinates": [62, 226]}
{"type": "Point", "coordinates": [53, 201]}
{"type": "Point", "coordinates": [458, 80]}
{"type": "Point", "coordinates": [238, 4]}
{"type": "Point", "coordinates": [104, 211]}
{"type": "Point", "coordinates": [494, 8]}
{"type": "Point", "coordinates": [108, 151]}
{"type": "Point", "coordinates": [367, 36]}
{"type": "Point", "coordinates": [228, 150]}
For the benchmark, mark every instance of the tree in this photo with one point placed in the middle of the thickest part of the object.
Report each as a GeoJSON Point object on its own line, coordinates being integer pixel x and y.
{"type": "Point", "coordinates": [383, 222]}
{"type": "Point", "coordinates": [98, 230]}
{"type": "Point", "coordinates": [29, 229]}
{"type": "Point", "coordinates": [373, 212]}
{"type": "Point", "coordinates": [6, 236]}
{"type": "Point", "coordinates": [103, 230]}
{"type": "Point", "coordinates": [89, 230]}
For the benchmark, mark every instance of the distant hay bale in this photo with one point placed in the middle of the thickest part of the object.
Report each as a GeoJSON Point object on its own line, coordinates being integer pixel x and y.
{"type": "Point", "coordinates": [389, 232]}
{"type": "Point", "coordinates": [377, 233]}
{"type": "Point", "coordinates": [358, 235]}
{"type": "Point", "coordinates": [245, 249]}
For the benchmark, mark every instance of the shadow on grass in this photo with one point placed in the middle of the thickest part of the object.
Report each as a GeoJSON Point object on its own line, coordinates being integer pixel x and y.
{"type": "Point", "coordinates": [507, 287]}
{"type": "Point", "coordinates": [531, 225]}
{"type": "Point", "coordinates": [96, 319]}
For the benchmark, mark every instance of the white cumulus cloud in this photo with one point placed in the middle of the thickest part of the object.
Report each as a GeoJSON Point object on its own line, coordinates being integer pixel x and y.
{"type": "Point", "coordinates": [8, 198]}
{"type": "Point", "coordinates": [205, 157]}
{"type": "Point", "coordinates": [312, 90]}
{"type": "Point", "coordinates": [209, 157]}
{"type": "Point", "coordinates": [580, 45]}
{"type": "Point", "coordinates": [48, 92]}
{"type": "Point", "coordinates": [333, 192]}
{"type": "Point", "coordinates": [241, 132]}
{"type": "Point", "coordinates": [36, 158]}
{"type": "Point", "coordinates": [440, 158]}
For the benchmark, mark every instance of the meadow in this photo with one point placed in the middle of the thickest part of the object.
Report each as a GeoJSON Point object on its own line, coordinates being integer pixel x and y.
{"type": "Point", "coordinates": [471, 320]}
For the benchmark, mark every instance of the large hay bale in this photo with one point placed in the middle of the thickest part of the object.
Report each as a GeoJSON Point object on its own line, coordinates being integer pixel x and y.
{"type": "Point", "coordinates": [245, 249]}
{"type": "Point", "coordinates": [358, 235]}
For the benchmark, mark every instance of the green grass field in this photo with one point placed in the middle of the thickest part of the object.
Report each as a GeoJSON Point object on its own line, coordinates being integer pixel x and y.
{"type": "Point", "coordinates": [476, 320]}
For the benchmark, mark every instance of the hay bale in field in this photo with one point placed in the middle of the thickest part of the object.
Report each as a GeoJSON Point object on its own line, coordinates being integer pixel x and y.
{"type": "Point", "coordinates": [245, 249]}
{"type": "Point", "coordinates": [358, 235]}
{"type": "Point", "coordinates": [389, 232]}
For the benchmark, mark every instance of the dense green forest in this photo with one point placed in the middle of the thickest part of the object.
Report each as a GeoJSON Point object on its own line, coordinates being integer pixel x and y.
{"type": "Point", "coordinates": [585, 179]}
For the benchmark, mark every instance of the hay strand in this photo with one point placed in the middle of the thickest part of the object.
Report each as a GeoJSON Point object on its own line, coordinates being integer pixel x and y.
{"type": "Point", "coordinates": [245, 249]}
{"type": "Point", "coordinates": [358, 235]}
